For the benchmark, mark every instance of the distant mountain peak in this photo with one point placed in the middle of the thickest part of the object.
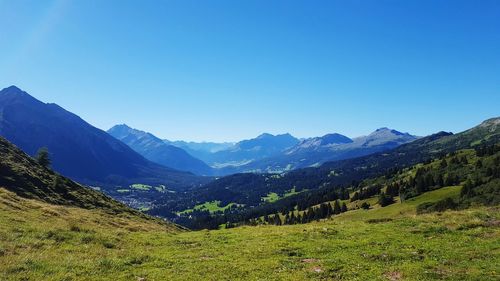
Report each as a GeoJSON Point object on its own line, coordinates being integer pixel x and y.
{"type": "Point", "coordinates": [157, 150]}
{"type": "Point", "coordinates": [124, 126]}
{"type": "Point", "coordinates": [120, 128]}
{"type": "Point", "coordinates": [265, 135]}
{"type": "Point", "coordinates": [15, 92]}
{"type": "Point", "coordinates": [334, 138]}
{"type": "Point", "coordinates": [268, 135]}
{"type": "Point", "coordinates": [12, 88]}
{"type": "Point", "coordinates": [78, 149]}
{"type": "Point", "coordinates": [385, 130]}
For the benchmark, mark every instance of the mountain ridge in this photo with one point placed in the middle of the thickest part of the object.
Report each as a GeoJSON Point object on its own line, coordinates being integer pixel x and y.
{"type": "Point", "coordinates": [331, 147]}
{"type": "Point", "coordinates": [78, 149]}
{"type": "Point", "coordinates": [156, 150]}
{"type": "Point", "coordinates": [250, 189]}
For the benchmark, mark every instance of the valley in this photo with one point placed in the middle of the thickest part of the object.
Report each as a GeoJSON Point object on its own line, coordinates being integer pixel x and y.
{"type": "Point", "coordinates": [432, 215]}
{"type": "Point", "coordinates": [249, 140]}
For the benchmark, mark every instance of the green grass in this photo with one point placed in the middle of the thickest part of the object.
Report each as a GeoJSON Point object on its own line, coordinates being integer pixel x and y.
{"type": "Point", "coordinates": [408, 208]}
{"type": "Point", "coordinates": [140, 186]}
{"type": "Point", "coordinates": [39, 241]}
{"type": "Point", "coordinates": [212, 207]}
{"type": "Point", "coordinates": [273, 196]}
{"type": "Point", "coordinates": [293, 192]}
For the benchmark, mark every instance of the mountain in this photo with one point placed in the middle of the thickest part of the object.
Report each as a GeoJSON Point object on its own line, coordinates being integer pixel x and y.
{"type": "Point", "coordinates": [247, 151]}
{"type": "Point", "coordinates": [201, 150]}
{"type": "Point", "coordinates": [472, 174]}
{"type": "Point", "coordinates": [47, 241]}
{"type": "Point", "coordinates": [156, 150]}
{"type": "Point", "coordinates": [279, 153]}
{"type": "Point", "coordinates": [316, 151]}
{"type": "Point", "coordinates": [60, 216]}
{"type": "Point", "coordinates": [22, 175]}
{"type": "Point", "coordinates": [319, 142]}
{"type": "Point", "coordinates": [79, 150]}
{"type": "Point", "coordinates": [294, 185]}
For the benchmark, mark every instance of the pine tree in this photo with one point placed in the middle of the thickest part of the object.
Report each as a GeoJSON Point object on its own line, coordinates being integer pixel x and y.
{"type": "Point", "coordinates": [467, 189]}
{"type": "Point", "coordinates": [365, 206]}
{"type": "Point", "coordinates": [266, 219]}
{"type": "Point", "coordinates": [317, 214]}
{"type": "Point", "coordinates": [277, 219]}
{"type": "Point", "coordinates": [287, 219]}
{"type": "Point", "coordinates": [439, 180]}
{"type": "Point", "coordinates": [343, 209]}
{"type": "Point", "coordinates": [429, 181]}
{"type": "Point", "coordinates": [420, 184]}
{"type": "Point", "coordinates": [344, 194]}
{"type": "Point", "coordinates": [355, 196]}
{"type": "Point", "coordinates": [323, 210]}
{"type": "Point", "coordinates": [310, 214]}
{"type": "Point", "coordinates": [42, 157]}
{"type": "Point", "coordinates": [489, 172]}
{"type": "Point", "coordinates": [392, 189]}
{"type": "Point", "coordinates": [443, 164]}
{"type": "Point", "coordinates": [336, 207]}
{"type": "Point", "coordinates": [58, 185]}
{"type": "Point", "coordinates": [385, 200]}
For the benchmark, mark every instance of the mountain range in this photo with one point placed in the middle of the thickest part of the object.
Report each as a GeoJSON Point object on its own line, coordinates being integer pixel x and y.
{"type": "Point", "coordinates": [79, 150]}
{"type": "Point", "coordinates": [390, 194]}
{"type": "Point", "coordinates": [252, 192]}
{"type": "Point", "coordinates": [54, 228]}
{"type": "Point", "coordinates": [201, 150]}
{"type": "Point", "coordinates": [124, 156]}
{"type": "Point", "coordinates": [143, 170]}
{"type": "Point", "coordinates": [159, 151]}
{"type": "Point", "coordinates": [316, 151]}
{"type": "Point", "coordinates": [265, 153]}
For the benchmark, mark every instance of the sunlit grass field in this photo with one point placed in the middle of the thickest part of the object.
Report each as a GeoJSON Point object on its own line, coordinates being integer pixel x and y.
{"type": "Point", "coordinates": [39, 241]}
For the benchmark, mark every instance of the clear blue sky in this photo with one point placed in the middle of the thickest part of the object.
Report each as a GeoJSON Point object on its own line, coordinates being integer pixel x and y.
{"type": "Point", "coordinates": [227, 70]}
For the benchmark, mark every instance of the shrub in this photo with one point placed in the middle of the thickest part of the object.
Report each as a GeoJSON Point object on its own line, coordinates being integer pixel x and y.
{"type": "Point", "coordinates": [439, 206]}
{"type": "Point", "coordinates": [385, 200]}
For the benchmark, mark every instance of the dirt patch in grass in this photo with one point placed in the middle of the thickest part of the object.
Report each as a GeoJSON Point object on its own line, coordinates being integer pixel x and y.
{"type": "Point", "coordinates": [310, 260]}
{"type": "Point", "coordinates": [393, 275]}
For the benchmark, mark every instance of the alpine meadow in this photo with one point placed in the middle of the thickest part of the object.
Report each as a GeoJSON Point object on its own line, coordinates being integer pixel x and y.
{"type": "Point", "coordinates": [255, 140]}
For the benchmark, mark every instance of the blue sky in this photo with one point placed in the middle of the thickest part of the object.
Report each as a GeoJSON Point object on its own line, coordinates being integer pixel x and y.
{"type": "Point", "coordinates": [228, 70]}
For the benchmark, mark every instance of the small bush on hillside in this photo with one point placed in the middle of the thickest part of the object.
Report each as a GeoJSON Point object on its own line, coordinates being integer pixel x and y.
{"type": "Point", "coordinates": [439, 206]}
{"type": "Point", "coordinates": [57, 235]}
{"type": "Point", "coordinates": [108, 244]}
{"type": "Point", "coordinates": [385, 200]}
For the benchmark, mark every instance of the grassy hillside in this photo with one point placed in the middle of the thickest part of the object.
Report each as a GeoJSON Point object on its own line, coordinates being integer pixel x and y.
{"type": "Point", "coordinates": [25, 177]}
{"type": "Point", "coordinates": [478, 170]}
{"type": "Point", "coordinates": [22, 174]}
{"type": "Point", "coordinates": [54, 229]}
{"type": "Point", "coordinates": [40, 241]}
{"type": "Point", "coordinates": [248, 190]}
